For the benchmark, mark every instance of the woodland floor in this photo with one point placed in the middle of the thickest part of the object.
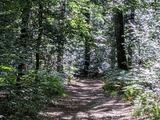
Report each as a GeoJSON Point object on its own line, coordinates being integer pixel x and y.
{"type": "Point", "coordinates": [86, 101]}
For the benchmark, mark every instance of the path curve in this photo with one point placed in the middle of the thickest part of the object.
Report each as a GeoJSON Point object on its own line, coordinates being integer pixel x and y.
{"type": "Point", "coordinates": [86, 101]}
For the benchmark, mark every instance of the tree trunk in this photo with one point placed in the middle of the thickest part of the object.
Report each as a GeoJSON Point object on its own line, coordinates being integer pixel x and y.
{"type": "Point", "coordinates": [60, 49]}
{"type": "Point", "coordinates": [61, 37]}
{"type": "Point", "coordinates": [38, 42]}
{"type": "Point", "coordinates": [87, 47]}
{"type": "Point", "coordinates": [119, 32]}
{"type": "Point", "coordinates": [113, 54]}
{"type": "Point", "coordinates": [24, 37]}
{"type": "Point", "coordinates": [87, 57]}
{"type": "Point", "coordinates": [130, 51]}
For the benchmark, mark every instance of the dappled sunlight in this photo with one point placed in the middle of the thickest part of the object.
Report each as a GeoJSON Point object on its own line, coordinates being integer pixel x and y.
{"type": "Point", "coordinates": [82, 115]}
{"type": "Point", "coordinates": [110, 110]}
{"type": "Point", "coordinates": [52, 114]}
{"type": "Point", "coordinates": [110, 103]}
{"type": "Point", "coordinates": [79, 59]}
{"type": "Point", "coordinates": [86, 101]}
{"type": "Point", "coordinates": [69, 117]}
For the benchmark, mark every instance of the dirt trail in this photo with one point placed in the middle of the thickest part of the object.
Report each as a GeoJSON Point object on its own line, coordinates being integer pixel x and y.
{"type": "Point", "coordinates": [86, 101]}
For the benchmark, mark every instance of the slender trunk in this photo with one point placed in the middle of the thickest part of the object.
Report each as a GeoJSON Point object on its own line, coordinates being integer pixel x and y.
{"type": "Point", "coordinates": [61, 37]}
{"type": "Point", "coordinates": [119, 32]}
{"type": "Point", "coordinates": [131, 37]}
{"type": "Point", "coordinates": [38, 42]}
{"type": "Point", "coordinates": [113, 54]}
{"type": "Point", "coordinates": [87, 48]}
{"type": "Point", "coordinates": [60, 59]}
{"type": "Point", "coordinates": [24, 37]}
{"type": "Point", "coordinates": [87, 57]}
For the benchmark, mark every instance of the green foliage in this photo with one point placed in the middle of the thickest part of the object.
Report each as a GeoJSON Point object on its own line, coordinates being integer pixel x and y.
{"type": "Point", "coordinates": [7, 75]}
{"type": "Point", "coordinates": [143, 93]}
{"type": "Point", "coordinates": [6, 68]}
{"type": "Point", "coordinates": [131, 90]}
{"type": "Point", "coordinates": [66, 25]}
{"type": "Point", "coordinates": [116, 80]}
{"type": "Point", "coordinates": [21, 105]}
{"type": "Point", "coordinates": [148, 104]}
{"type": "Point", "coordinates": [51, 84]}
{"type": "Point", "coordinates": [24, 101]}
{"type": "Point", "coordinates": [114, 87]}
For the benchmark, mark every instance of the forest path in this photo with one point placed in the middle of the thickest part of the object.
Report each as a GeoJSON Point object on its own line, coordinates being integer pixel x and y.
{"type": "Point", "coordinates": [86, 101]}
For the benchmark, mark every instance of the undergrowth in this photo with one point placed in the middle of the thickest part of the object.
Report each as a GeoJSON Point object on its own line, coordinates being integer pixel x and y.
{"type": "Point", "coordinates": [25, 100]}
{"type": "Point", "coordinates": [140, 87]}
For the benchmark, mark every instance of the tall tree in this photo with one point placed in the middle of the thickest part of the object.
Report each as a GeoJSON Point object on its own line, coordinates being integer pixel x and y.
{"type": "Point", "coordinates": [87, 45]}
{"type": "Point", "coordinates": [24, 37]}
{"type": "Point", "coordinates": [40, 30]}
{"type": "Point", "coordinates": [61, 36]}
{"type": "Point", "coordinates": [129, 22]}
{"type": "Point", "coordinates": [131, 37]}
{"type": "Point", "coordinates": [119, 34]}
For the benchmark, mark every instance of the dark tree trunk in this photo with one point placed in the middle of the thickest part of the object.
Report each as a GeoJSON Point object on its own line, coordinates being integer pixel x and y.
{"type": "Point", "coordinates": [60, 50]}
{"type": "Point", "coordinates": [61, 37]}
{"type": "Point", "coordinates": [129, 20]}
{"type": "Point", "coordinates": [87, 57]}
{"type": "Point", "coordinates": [24, 37]}
{"type": "Point", "coordinates": [119, 32]}
{"type": "Point", "coordinates": [113, 54]}
{"type": "Point", "coordinates": [87, 48]}
{"type": "Point", "coordinates": [38, 42]}
{"type": "Point", "coordinates": [130, 51]}
{"type": "Point", "coordinates": [21, 68]}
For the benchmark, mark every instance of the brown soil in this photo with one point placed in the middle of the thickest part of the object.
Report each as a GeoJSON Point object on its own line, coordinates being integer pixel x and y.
{"type": "Point", "coordinates": [86, 101]}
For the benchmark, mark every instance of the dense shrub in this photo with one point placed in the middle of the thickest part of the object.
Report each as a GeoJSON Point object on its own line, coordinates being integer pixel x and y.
{"type": "Point", "coordinates": [144, 94]}
{"type": "Point", "coordinates": [114, 87]}
{"type": "Point", "coordinates": [25, 100]}
{"type": "Point", "coordinates": [115, 81]}
{"type": "Point", "coordinates": [51, 84]}
{"type": "Point", "coordinates": [147, 103]}
{"type": "Point", "coordinates": [139, 86]}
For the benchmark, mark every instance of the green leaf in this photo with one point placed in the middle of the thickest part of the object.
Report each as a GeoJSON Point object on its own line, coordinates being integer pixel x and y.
{"type": "Point", "coordinates": [6, 68]}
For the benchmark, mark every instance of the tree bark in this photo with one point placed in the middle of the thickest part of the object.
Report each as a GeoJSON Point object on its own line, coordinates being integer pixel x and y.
{"type": "Point", "coordinates": [23, 39]}
{"type": "Point", "coordinates": [131, 37]}
{"type": "Point", "coordinates": [113, 54]}
{"type": "Point", "coordinates": [40, 19]}
{"type": "Point", "coordinates": [87, 57]}
{"type": "Point", "coordinates": [87, 47]}
{"type": "Point", "coordinates": [61, 37]}
{"type": "Point", "coordinates": [119, 32]}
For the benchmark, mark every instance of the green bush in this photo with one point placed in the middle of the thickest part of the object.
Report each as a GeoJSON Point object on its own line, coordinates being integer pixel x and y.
{"type": "Point", "coordinates": [147, 103]}
{"type": "Point", "coordinates": [21, 103]}
{"type": "Point", "coordinates": [146, 100]}
{"type": "Point", "coordinates": [131, 90]}
{"type": "Point", "coordinates": [113, 87]}
{"type": "Point", "coordinates": [51, 84]}
{"type": "Point", "coordinates": [25, 101]}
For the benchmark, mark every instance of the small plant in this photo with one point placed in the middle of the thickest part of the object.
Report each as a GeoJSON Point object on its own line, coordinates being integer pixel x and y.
{"type": "Point", "coordinates": [51, 84]}
{"type": "Point", "coordinates": [131, 90]}
{"type": "Point", "coordinates": [114, 87]}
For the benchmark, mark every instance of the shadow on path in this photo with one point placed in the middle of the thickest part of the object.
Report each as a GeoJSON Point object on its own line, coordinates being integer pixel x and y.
{"type": "Point", "coordinates": [86, 101]}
